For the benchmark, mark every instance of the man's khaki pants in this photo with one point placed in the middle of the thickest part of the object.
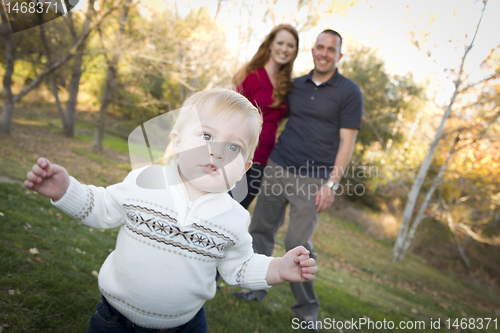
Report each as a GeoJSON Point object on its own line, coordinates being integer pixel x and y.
{"type": "Point", "coordinates": [279, 188]}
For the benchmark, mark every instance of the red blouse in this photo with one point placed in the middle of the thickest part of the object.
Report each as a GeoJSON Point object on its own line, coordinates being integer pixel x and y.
{"type": "Point", "coordinates": [258, 89]}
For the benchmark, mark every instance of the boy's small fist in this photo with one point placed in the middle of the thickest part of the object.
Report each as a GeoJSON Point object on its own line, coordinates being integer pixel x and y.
{"type": "Point", "coordinates": [50, 180]}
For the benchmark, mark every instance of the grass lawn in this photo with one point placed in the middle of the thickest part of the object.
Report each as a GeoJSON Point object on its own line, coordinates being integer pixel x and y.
{"type": "Point", "coordinates": [48, 261]}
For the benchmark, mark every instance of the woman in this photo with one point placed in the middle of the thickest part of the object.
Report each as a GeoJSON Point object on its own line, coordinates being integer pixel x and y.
{"type": "Point", "coordinates": [265, 81]}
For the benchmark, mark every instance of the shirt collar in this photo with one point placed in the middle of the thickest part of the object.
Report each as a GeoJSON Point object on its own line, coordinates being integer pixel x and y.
{"type": "Point", "coordinates": [331, 81]}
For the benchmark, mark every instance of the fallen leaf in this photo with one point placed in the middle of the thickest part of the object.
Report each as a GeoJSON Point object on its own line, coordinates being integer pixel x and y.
{"type": "Point", "coordinates": [11, 291]}
{"type": "Point", "coordinates": [51, 212]}
{"type": "Point", "coordinates": [34, 251]}
{"type": "Point", "coordinates": [413, 310]}
{"type": "Point", "coordinates": [59, 216]}
{"type": "Point", "coordinates": [27, 226]}
{"type": "Point", "coordinates": [80, 251]}
{"type": "Point", "coordinates": [94, 273]}
{"type": "Point", "coordinates": [38, 259]}
{"type": "Point", "coordinates": [2, 214]}
{"type": "Point", "coordinates": [35, 236]}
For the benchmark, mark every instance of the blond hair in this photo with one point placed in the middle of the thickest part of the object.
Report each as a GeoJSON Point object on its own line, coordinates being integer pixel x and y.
{"type": "Point", "coordinates": [225, 102]}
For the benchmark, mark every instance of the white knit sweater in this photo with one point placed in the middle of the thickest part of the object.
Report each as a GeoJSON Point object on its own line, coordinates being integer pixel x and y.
{"type": "Point", "coordinates": [163, 268]}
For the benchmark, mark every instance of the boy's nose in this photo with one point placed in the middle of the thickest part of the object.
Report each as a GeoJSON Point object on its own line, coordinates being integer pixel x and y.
{"type": "Point", "coordinates": [216, 150]}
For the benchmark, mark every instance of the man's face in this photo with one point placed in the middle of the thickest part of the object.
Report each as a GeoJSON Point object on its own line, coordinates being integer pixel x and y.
{"type": "Point", "coordinates": [212, 151]}
{"type": "Point", "coordinates": [326, 53]}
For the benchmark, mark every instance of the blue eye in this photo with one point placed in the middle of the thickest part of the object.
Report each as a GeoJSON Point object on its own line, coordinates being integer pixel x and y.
{"type": "Point", "coordinates": [206, 137]}
{"type": "Point", "coordinates": [234, 148]}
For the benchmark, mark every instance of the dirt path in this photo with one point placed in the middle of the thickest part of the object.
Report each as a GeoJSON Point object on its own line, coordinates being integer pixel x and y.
{"type": "Point", "coordinates": [5, 179]}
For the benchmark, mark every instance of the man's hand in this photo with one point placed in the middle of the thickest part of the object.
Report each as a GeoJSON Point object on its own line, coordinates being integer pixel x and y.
{"type": "Point", "coordinates": [324, 198]}
{"type": "Point", "coordinates": [50, 180]}
{"type": "Point", "coordinates": [294, 266]}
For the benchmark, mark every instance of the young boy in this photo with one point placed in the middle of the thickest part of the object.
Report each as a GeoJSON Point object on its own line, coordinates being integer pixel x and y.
{"type": "Point", "coordinates": [173, 238]}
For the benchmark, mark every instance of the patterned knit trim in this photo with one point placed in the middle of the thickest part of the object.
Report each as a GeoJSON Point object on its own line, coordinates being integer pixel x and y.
{"type": "Point", "coordinates": [89, 205]}
{"type": "Point", "coordinates": [151, 204]}
{"type": "Point", "coordinates": [132, 235]}
{"type": "Point", "coordinates": [151, 212]}
{"type": "Point", "coordinates": [213, 232]}
{"type": "Point", "coordinates": [165, 229]}
{"type": "Point", "coordinates": [240, 277]}
{"type": "Point", "coordinates": [170, 211]}
{"type": "Point", "coordinates": [147, 313]}
{"type": "Point", "coordinates": [222, 229]}
{"type": "Point", "coordinates": [174, 243]}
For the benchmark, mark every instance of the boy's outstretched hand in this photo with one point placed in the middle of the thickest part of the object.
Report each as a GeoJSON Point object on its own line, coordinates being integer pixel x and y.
{"type": "Point", "coordinates": [50, 180]}
{"type": "Point", "coordinates": [294, 266]}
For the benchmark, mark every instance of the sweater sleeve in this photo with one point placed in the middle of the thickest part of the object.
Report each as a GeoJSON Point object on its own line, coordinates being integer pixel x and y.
{"type": "Point", "coordinates": [96, 207]}
{"type": "Point", "coordinates": [243, 267]}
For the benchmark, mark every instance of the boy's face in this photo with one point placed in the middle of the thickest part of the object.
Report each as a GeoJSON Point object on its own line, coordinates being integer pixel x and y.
{"type": "Point", "coordinates": [213, 151]}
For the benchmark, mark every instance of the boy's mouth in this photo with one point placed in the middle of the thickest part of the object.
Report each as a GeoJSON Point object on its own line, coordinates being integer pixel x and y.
{"type": "Point", "coordinates": [210, 168]}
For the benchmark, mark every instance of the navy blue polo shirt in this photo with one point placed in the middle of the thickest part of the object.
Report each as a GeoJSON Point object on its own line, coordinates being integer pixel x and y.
{"type": "Point", "coordinates": [309, 143]}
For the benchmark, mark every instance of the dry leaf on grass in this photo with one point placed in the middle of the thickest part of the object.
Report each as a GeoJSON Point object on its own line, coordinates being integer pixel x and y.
{"type": "Point", "coordinates": [34, 251]}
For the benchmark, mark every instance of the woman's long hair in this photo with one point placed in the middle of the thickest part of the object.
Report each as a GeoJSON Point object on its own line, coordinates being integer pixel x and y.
{"type": "Point", "coordinates": [284, 81]}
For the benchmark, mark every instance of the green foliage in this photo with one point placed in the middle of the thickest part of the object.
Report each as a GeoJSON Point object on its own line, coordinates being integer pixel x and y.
{"type": "Point", "coordinates": [175, 59]}
{"type": "Point", "coordinates": [391, 106]}
{"type": "Point", "coordinates": [385, 95]}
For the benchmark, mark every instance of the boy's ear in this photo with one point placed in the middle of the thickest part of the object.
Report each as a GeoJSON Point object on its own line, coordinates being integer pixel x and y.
{"type": "Point", "coordinates": [247, 166]}
{"type": "Point", "coordinates": [175, 139]}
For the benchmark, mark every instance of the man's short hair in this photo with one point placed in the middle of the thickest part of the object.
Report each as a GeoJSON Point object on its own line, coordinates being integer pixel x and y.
{"type": "Point", "coordinates": [335, 33]}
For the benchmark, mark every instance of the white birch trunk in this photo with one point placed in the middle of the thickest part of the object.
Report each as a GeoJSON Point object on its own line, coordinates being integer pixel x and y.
{"type": "Point", "coordinates": [404, 239]}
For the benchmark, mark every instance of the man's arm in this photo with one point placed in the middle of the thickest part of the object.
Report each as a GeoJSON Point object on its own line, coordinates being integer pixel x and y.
{"type": "Point", "coordinates": [326, 196]}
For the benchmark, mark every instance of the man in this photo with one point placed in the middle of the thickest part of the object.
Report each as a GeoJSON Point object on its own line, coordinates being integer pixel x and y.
{"type": "Point", "coordinates": [305, 168]}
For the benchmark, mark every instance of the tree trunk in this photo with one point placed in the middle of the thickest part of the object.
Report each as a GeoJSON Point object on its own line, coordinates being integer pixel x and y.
{"type": "Point", "coordinates": [53, 82]}
{"type": "Point", "coordinates": [74, 87]}
{"type": "Point", "coordinates": [74, 84]}
{"type": "Point", "coordinates": [420, 215]}
{"type": "Point", "coordinates": [451, 225]}
{"type": "Point", "coordinates": [8, 107]}
{"type": "Point", "coordinates": [403, 237]}
{"type": "Point", "coordinates": [110, 82]}
{"type": "Point", "coordinates": [105, 101]}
